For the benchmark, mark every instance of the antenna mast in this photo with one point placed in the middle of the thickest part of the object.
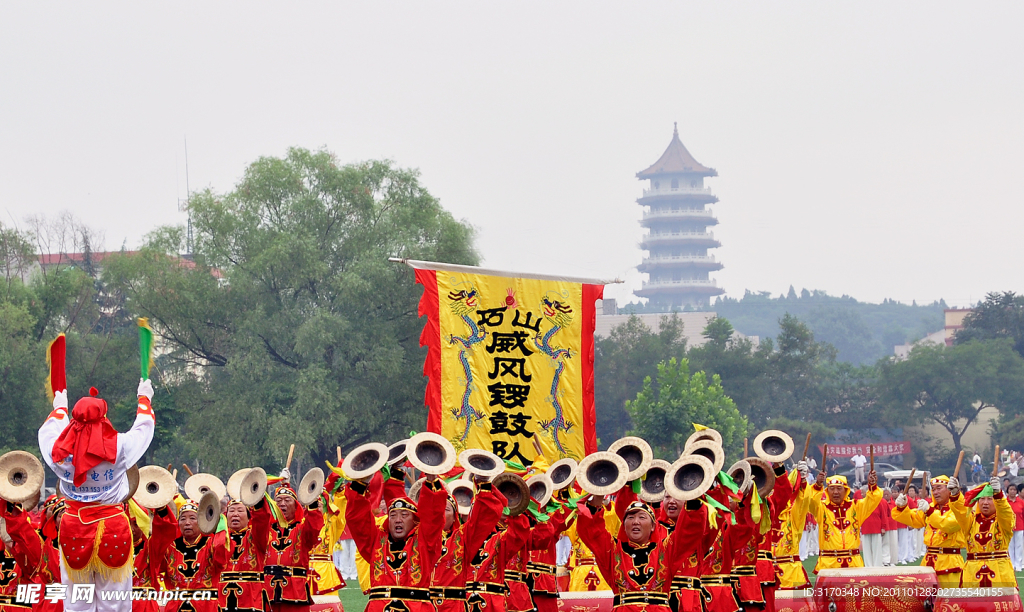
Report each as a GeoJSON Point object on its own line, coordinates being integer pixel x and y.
{"type": "Point", "coordinates": [183, 206]}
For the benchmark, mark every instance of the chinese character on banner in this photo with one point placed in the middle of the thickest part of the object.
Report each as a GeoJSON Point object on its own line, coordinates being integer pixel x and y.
{"type": "Point", "coordinates": [509, 361]}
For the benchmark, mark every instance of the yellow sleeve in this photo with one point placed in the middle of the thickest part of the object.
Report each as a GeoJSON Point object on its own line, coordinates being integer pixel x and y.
{"type": "Point", "coordinates": [334, 518]}
{"type": "Point", "coordinates": [912, 518]}
{"type": "Point", "coordinates": [814, 502]}
{"type": "Point", "coordinates": [798, 508]}
{"type": "Point", "coordinates": [612, 523]}
{"type": "Point", "coordinates": [964, 516]}
{"type": "Point", "coordinates": [1005, 517]}
{"type": "Point", "coordinates": [864, 507]}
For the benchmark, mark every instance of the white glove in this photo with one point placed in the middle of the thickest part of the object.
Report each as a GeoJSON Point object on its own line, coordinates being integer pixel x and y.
{"type": "Point", "coordinates": [922, 504]}
{"type": "Point", "coordinates": [146, 388]}
{"type": "Point", "coordinates": [901, 501]}
{"type": "Point", "coordinates": [801, 466]}
{"type": "Point", "coordinates": [287, 475]}
{"type": "Point", "coordinates": [953, 486]}
{"type": "Point", "coordinates": [60, 399]}
{"type": "Point", "coordinates": [996, 485]}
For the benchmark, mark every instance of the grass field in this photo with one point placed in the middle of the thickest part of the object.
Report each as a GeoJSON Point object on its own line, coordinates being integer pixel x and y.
{"type": "Point", "coordinates": [354, 601]}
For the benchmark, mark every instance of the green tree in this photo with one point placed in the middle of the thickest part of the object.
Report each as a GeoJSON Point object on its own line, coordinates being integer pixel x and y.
{"type": "Point", "coordinates": [1001, 315]}
{"type": "Point", "coordinates": [792, 376]}
{"type": "Point", "coordinates": [287, 324]}
{"type": "Point", "coordinates": [622, 361]}
{"type": "Point", "coordinates": [952, 385]}
{"type": "Point", "coordinates": [741, 367]}
{"type": "Point", "coordinates": [664, 411]}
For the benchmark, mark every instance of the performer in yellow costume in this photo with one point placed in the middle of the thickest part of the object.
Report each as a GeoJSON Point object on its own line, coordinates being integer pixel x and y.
{"type": "Point", "coordinates": [942, 535]}
{"type": "Point", "coordinates": [788, 531]}
{"type": "Point", "coordinates": [988, 531]}
{"type": "Point", "coordinates": [839, 519]}
{"type": "Point", "coordinates": [321, 561]}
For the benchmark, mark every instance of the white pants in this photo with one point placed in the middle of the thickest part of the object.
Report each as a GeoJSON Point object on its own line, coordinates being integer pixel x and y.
{"type": "Point", "coordinates": [97, 603]}
{"type": "Point", "coordinates": [892, 538]}
{"type": "Point", "coordinates": [903, 539]}
{"type": "Point", "coordinates": [885, 558]}
{"type": "Point", "coordinates": [1016, 550]}
{"type": "Point", "coordinates": [347, 566]}
{"type": "Point", "coordinates": [859, 474]}
{"type": "Point", "coordinates": [871, 549]}
{"type": "Point", "coordinates": [919, 552]}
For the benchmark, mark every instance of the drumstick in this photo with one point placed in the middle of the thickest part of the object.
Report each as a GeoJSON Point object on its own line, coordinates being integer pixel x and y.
{"type": "Point", "coordinates": [871, 453]}
{"type": "Point", "coordinates": [187, 469]}
{"type": "Point", "coordinates": [824, 459]}
{"type": "Point", "coordinates": [959, 462]}
{"type": "Point", "coordinates": [174, 475]}
{"type": "Point", "coordinates": [995, 464]}
{"type": "Point", "coordinates": [746, 452]}
{"type": "Point", "coordinates": [168, 467]}
{"type": "Point", "coordinates": [807, 445]}
{"type": "Point", "coordinates": [291, 451]}
{"type": "Point", "coordinates": [339, 457]}
{"type": "Point", "coordinates": [906, 487]}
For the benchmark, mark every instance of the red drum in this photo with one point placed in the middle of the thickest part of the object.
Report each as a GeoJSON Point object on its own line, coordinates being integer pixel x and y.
{"type": "Point", "coordinates": [585, 601]}
{"type": "Point", "coordinates": [794, 600]}
{"type": "Point", "coordinates": [326, 603]}
{"type": "Point", "coordinates": [1000, 599]}
{"type": "Point", "coordinates": [906, 589]}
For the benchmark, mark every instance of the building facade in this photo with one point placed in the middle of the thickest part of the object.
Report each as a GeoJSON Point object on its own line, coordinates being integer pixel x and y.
{"type": "Point", "coordinates": [677, 242]}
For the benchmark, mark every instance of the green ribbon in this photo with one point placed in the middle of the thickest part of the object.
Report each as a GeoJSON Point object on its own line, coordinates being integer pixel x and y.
{"type": "Point", "coordinates": [728, 482]}
{"type": "Point", "coordinates": [514, 465]}
{"type": "Point", "coordinates": [386, 470]}
{"type": "Point", "coordinates": [636, 486]}
{"type": "Point", "coordinates": [535, 511]}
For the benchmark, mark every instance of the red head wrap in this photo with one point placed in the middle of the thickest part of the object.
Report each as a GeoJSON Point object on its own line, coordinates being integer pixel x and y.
{"type": "Point", "coordinates": [90, 438]}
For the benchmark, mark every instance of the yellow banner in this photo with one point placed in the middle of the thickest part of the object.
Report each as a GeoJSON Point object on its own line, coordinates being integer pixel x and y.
{"type": "Point", "coordinates": [511, 365]}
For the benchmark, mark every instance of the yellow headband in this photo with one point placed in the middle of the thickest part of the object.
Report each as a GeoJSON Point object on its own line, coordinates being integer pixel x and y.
{"type": "Point", "coordinates": [836, 480]}
{"type": "Point", "coordinates": [940, 480]}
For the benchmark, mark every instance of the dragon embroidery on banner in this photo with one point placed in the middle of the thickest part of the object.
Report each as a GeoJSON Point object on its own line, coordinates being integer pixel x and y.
{"type": "Point", "coordinates": [559, 313]}
{"type": "Point", "coordinates": [462, 303]}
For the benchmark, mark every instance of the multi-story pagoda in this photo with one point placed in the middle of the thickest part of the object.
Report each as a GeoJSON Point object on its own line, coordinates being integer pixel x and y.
{"type": "Point", "coordinates": [678, 240]}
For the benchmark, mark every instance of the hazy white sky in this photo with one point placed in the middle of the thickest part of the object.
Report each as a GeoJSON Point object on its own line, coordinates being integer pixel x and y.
{"type": "Point", "coordinates": [868, 149]}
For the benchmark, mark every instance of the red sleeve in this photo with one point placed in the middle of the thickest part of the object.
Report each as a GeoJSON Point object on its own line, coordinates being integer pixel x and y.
{"type": "Point", "coordinates": [542, 536]}
{"type": "Point", "coordinates": [28, 546]}
{"type": "Point", "coordinates": [433, 498]}
{"type": "Point", "coordinates": [781, 493]}
{"type": "Point", "coordinates": [309, 532]}
{"type": "Point", "coordinates": [623, 499]}
{"type": "Point", "coordinates": [487, 509]}
{"type": "Point", "coordinates": [219, 546]}
{"type": "Point", "coordinates": [515, 536]}
{"type": "Point", "coordinates": [165, 529]}
{"type": "Point", "coordinates": [359, 516]}
{"type": "Point", "coordinates": [686, 537]}
{"type": "Point", "coordinates": [592, 531]}
{"type": "Point", "coordinates": [261, 519]}
{"type": "Point", "coordinates": [376, 489]}
{"type": "Point", "coordinates": [394, 487]}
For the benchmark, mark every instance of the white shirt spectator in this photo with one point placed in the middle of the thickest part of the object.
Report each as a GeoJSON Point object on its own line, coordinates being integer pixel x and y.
{"type": "Point", "coordinates": [859, 461]}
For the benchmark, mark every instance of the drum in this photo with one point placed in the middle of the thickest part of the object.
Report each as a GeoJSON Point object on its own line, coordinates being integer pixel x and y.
{"type": "Point", "coordinates": [326, 603]}
{"type": "Point", "coordinates": [907, 589]}
{"type": "Point", "coordinates": [1001, 599]}
{"type": "Point", "coordinates": [585, 601]}
{"type": "Point", "coordinates": [794, 600]}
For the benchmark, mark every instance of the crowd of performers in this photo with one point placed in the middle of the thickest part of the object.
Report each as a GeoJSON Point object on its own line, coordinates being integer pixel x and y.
{"type": "Point", "coordinates": [470, 538]}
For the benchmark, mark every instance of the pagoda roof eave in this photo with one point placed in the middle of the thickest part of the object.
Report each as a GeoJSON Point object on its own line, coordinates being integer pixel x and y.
{"type": "Point", "coordinates": [676, 160]}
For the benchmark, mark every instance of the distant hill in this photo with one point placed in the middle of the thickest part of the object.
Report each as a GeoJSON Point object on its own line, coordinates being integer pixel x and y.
{"type": "Point", "coordinates": [860, 331]}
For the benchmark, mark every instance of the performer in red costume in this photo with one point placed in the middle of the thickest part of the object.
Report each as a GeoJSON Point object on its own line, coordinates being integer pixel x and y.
{"type": "Point", "coordinates": [687, 593]}
{"type": "Point", "coordinates": [458, 543]}
{"type": "Point", "coordinates": [716, 566]}
{"type": "Point", "coordinates": [146, 566]}
{"type": "Point", "coordinates": [402, 551]}
{"type": "Point", "coordinates": [241, 582]}
{"type": "Point", "coordinates": [486, 590]}
{"type": "Point", "coordinates": [20, 555]}
{"type": "Point", "coordinates": [778, 499]}
{"type": "Point", "coordinates": [91, 461]}
{"type": "Point", "coordinates": [193, 563]}
{"type": "Point", "coordinates": [639, 564]}
{"type": "Point", "coordinates": [543, 557]}
{"type": "Point", "coordinates": [286, 575]}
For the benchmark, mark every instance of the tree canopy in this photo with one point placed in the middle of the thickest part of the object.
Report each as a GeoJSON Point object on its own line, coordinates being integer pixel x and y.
{"type": "Point", "coordinates": [287, 324]}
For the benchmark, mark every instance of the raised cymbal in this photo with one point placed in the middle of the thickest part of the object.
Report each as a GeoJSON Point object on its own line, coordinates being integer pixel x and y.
{"type": "Point", "coordinates": [157, 487]}
{"type": "Point", "coordinates": [198, 484]}
{"type": "Point", "coordinates": [21, 476]}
